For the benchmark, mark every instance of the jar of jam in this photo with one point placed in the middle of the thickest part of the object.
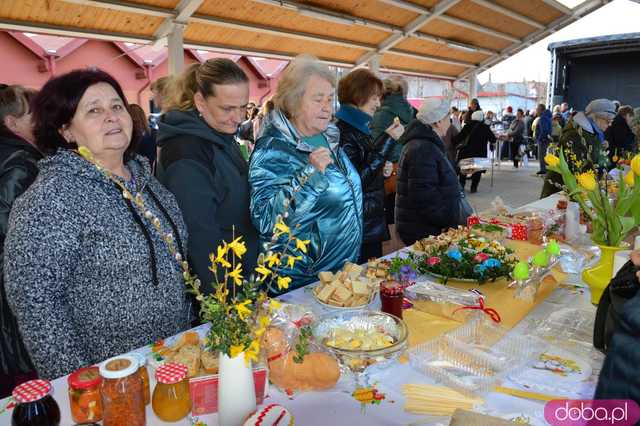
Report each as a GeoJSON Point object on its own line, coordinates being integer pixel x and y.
{"type": "Point", "coordinates": [122, 393]}
{"type": "Point", "coordinates": [391, 297]}
{"type": "Point", "coordinates": [171, 397]}
{"type": "Point", "coordinates": [84, 395]}
{"type": "Point", "coordinates": [35, 406]}
{"type": "Point", "coordinates": [144, 375]}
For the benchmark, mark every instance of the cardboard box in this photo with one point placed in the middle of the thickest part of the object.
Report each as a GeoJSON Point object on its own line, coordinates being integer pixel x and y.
{"type": "Point", "coordinates": [204, 391]}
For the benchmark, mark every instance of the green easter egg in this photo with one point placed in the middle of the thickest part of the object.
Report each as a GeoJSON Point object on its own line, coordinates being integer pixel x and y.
{"type": "Point", "coordinates": [553, 248]}
{"type": "Point", "coordinates": [521, 271]}
{"type": "Point", "coordinates": [541, 259]}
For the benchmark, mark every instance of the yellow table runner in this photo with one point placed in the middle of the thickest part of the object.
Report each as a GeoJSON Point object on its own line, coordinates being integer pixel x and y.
{"type": "Point", "coordinates": [424, 326]}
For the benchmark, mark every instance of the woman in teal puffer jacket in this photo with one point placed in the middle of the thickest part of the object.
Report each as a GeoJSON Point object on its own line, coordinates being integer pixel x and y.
{"type": "Point", "coordinates": [297, 158]}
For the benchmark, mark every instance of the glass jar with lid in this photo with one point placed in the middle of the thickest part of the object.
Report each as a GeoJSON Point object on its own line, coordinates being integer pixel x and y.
{"type": "Point", "coordinates": [84, 395]}
{"type": "Point", "coordinates": [171, 397]}
{"type": "Point", "coordinates": [144, 375]}
{"type": "Point", "coordinates": [122, 393]}
{"type": "Point", "coordinates": [35, 405]}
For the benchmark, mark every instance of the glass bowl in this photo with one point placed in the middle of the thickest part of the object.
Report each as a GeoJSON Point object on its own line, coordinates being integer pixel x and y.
{"type": "Point", "coordinates": [358, 360]}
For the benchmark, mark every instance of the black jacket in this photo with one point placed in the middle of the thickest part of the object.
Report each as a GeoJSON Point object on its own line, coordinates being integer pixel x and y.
{"type": "Point", "coordinates": [205, 171]}
{"type": "Point", "coordinates": [428, 192]}
{"type": "Point", "coordinates": [620, 137]}
{"type": "Point", "coordinates": [472, 140]}
{"type": "Point", "coordinates": [368, 157]}
{"type": "Point", "coordinates": [18, 170]}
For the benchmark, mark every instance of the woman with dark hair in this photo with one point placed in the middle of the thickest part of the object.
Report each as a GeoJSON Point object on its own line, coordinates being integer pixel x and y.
{"type": "Point", "coordinates": [94, 246]}
{"type": "Point", "coordinates": [201, 162]}
{"type": "Point", "coordinates": [147, 146]}
{"type": "Point", "coordinates": [18, 170]}
{"type": "Point", "coordinates": [359, 95]}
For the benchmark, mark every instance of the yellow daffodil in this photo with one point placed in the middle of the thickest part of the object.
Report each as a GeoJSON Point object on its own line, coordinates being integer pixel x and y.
{"type": "Point", "coordinates": [239, 248]}
{"type": "Point", "coordinates": [221, 257]}
{"type": "Point", "coordinates": [283, 282]}
{"type": "Point", "coordinates": [635, 164]}
{"type": "Point", "coordinates": [274, 304]}
{"type": "Point", "coordinates": [302, 245]}
{"type": "Point", "coordinates": [243, 310]}
{"type": "Point", "coordinates": [236, 274]}
{"type": "Point", "coordinates": [235, 350]}
{"type": "Point", "coordinates": [291, 260]}
{"type": "Point", "coordinates": [263, 271]}
{"type": "Point", "coordinates": [587, 180]}
{"type": "Point", "coordinates": [273, 259]}
{"type": "Point", "coordinates": [630, 178]}
{"type": "Point", "coordinates": [281, 228]}
{"type": "Point", "coordinates": [551, 160]}
{"type": "Point", "coordinates": [251, 354]}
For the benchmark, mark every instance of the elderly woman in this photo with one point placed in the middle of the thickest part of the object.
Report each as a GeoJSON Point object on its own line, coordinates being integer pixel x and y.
{"type": "Point", "coordinates": [94, 246]}
{"type": "Point", "coordinates": [583, 135]}
{"type": "Point", "coordinates": [201, 163]}
{"type": "Point", "coordinates": [429, 198]}
{"type": "Point", "coordinates": [297, 160]}
{"type": "Point", "coordinates": [18, 169]}
{"type": "Point", "coordinates": [359, 95]}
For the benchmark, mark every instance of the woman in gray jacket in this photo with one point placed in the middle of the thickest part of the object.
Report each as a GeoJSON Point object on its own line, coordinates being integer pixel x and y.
{"type": "Point", "coordinates": [92, 272]}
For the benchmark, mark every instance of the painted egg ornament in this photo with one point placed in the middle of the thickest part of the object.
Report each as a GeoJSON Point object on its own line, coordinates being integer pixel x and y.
{"type": "Point", "coordinates": [541, 259]}
{"type": "Point", "coordinates": [270, 415]}
{"type": "Point", "coordinates": [480, 257]}
{"type": "Point", "coordinates": [553, 248]}
{"type": "Point", "coordinates": [454, 254]}
{"type": "Point", "coordinates": [479, 269]}
{"type": "Point", "coordinates": [492, 263]}
{"type": "Point", "coordinates": [433, 260]}
{"type": "Point", "coordinates": [521, 271]}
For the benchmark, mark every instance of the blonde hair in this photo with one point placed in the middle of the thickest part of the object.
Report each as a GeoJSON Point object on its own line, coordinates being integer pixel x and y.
{"type": "Point", "coordinates": [294, 82]}
{"type": "Point", "coordinates": [395, 84]}
{"type": "Point", "coordinates": [202, 78]}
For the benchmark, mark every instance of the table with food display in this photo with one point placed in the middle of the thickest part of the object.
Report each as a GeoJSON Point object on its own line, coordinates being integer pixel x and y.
{"type": "Point", "coordinates": [491, 319]}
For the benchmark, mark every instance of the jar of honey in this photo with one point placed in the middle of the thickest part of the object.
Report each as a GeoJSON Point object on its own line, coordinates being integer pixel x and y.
{"type": "Point", "coordinates": [35, 405]}
{"type": "Point", "coordinates": [122, 392]}
{"type": "Point", "coordinates": [144, 375]}
{"type": "Point", "coordinates": [84, 395]}
{"type": "Point", "coordinates": [171, 397]}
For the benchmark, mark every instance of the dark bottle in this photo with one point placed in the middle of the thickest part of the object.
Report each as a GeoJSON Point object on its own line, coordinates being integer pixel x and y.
{"type": "Point", "coordinates": [35, 406]}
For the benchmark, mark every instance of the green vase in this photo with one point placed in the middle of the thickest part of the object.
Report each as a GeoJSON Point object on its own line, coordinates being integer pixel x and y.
{"type": "Point", "coordinates": [599, 276]}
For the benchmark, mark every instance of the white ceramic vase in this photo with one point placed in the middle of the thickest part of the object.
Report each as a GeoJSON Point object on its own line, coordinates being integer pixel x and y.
{"type": "Point", "coordinates": [236, 390]}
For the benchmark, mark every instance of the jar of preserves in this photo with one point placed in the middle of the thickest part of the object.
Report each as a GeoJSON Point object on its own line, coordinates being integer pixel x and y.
{"type": "Point", "coordinates": [144, 375]}
{"type": "Point", "coordinates": [171, 397]}
{"type": "Point", "coordinates": [122, 394]}
{"type": "Point", "coordinates": [84, 395]}
{"type": "Point", "coordinates": [35, 406]}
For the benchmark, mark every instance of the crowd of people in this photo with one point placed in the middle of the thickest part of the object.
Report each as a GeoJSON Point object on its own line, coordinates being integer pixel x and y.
{"type": "Point", "coordinates": [97, 223]}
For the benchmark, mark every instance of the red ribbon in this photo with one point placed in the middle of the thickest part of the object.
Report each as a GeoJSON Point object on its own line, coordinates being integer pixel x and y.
{"type": "Point", "coordinates": [493, 314]}
{"type": "Point", "coordinates": [305, 320]}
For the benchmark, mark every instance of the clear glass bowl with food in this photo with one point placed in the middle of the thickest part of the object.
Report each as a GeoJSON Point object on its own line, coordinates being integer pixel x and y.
{"type": "Point", "coordinates": [360, 339]}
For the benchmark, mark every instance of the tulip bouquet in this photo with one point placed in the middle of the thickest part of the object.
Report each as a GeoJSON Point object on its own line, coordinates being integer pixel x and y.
{"type": "Point", "coordinates": [612, 218]}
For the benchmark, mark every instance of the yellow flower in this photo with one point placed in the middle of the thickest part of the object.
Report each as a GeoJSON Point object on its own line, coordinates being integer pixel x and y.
{"type": "Point", "coordinates": [243, 311]}
{"type": "Point", "coordinates": [281, 228]}
{"type": "Point", "coordinates": [551, 160]}
{"type": "Point", "coordinates": [291, 260]}
{"type": "Point", "coordinates": [252, 352]}
{"type": "Point", "coordinates": [302, 245]}
{"type": "Point", "coordinates": [237, 274]}
{"type": "Point", "coordinates": [263, 271]}
{"type": "Point", "coordinates": [239, 248]}
{"type": "Point", "coordinates": [221, 293]}
{"type": "Point", "coordinates": [630, 178]}
{"type": "Point", "coordinates": [283, 282]}
{"type": "Point", "coordinates": [221, 257]}
{"type": "Point", "coordinates": [587, 180]}
{"type": "Point", "coordinates": [635, 164]}
{"type": "Point", "coordinates": [236, 350]}
{"type": "Point", "coordinates": [273, 259]}
{"type": "Point", "coordinates": [264, 321]}
{"type": "Point", "coordinates": [274, 304]}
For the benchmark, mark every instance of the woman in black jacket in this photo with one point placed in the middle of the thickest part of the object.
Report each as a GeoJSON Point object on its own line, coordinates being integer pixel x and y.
{"type": "Point", "coordinates": [621, 138]}
{"type": "Point", "coordinates": [472, 142]}
{"type": "Point", "coordinates": [18, 170]}
{"type": "Point", "coordinates": [201, 163]}
{"type": "Point", "coordinates": [428, 193]}
{"type": "Point", "coordinates": [359, 95]}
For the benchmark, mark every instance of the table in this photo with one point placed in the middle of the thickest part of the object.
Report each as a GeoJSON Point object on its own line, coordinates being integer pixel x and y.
{"type": "Point", "coordinates": [337, 407]}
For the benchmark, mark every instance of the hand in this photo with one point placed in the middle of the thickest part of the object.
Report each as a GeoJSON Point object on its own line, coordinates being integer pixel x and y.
{"type": "Point", "coordinates": [320, 159]}
{"type": "Point", "coordinates": [395, 130]}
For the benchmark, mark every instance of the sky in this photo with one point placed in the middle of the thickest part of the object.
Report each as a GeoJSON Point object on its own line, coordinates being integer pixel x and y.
{"type": "Point", "coordinates": [617, 17]}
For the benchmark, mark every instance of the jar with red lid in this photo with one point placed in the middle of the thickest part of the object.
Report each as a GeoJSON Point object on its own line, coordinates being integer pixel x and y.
{"type": "Point", "coordinates": [35, 405]}
{"type": "Point", "coordinates": [84, 395]}
{"type": "Point", "coordinates": [122, 393]}
{"type": "Point", "coordinates": [144, 375]}
{"type": "Point", "coordinates": [171, 397]}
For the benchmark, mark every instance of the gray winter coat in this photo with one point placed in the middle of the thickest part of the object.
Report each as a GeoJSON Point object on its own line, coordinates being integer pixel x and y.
{"type": "Point", "coordinates": [79, 270]}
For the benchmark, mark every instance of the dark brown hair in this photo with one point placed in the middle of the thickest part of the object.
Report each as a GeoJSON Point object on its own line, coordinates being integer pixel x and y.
{"type": "Point", "coordinates": [139, 118]}
{"type": "Point", "coordinates": [357, 87]}
{"type": "Point", "coordinates": [15, 101]}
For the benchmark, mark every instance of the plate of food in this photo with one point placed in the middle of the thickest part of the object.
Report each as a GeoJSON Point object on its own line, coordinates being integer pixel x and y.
{"type": "Point", "coordinates": [347, 289]}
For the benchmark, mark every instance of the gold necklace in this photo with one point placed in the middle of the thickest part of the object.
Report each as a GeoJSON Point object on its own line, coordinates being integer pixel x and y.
{"type": "Point", "coordinates": [138, 202]}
